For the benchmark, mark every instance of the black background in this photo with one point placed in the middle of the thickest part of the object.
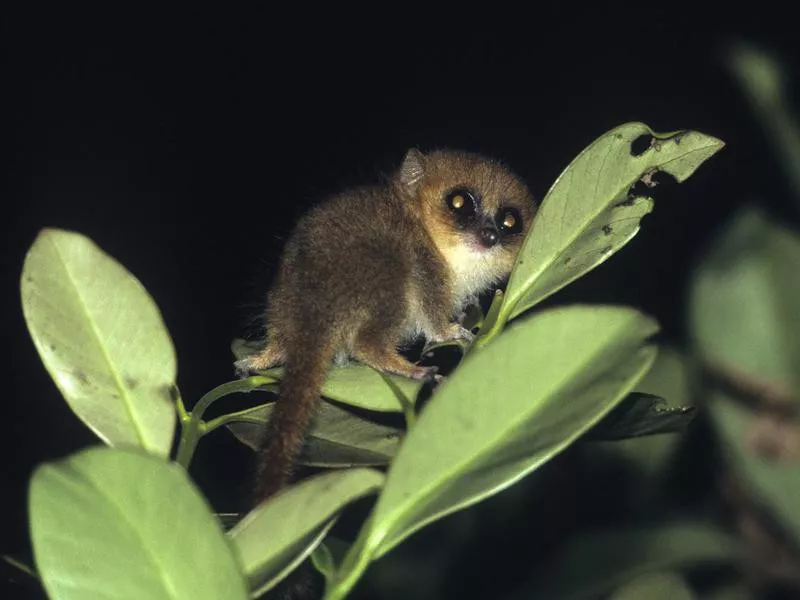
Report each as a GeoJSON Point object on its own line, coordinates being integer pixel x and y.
{"type": "Point", "coordinates": [186, 144]}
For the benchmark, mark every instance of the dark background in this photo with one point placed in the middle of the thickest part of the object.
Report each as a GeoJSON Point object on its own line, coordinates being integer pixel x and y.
{"type": "Point", "coordinates": [186, 145]}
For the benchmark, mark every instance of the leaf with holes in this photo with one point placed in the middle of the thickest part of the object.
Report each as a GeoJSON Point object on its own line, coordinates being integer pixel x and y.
{"type": "Point", "coordinates": [102, 339]}
{"type": "Point", "coordinates": [338, 438]}
{"type": "Point", "coordinates": [354, 384]}
{"type": "Point", "coordinates": [125, 526]}
{"type": "Point", "coordinates": [589, 214]}
{"type": "Point", "coordinates": [279, 534]}
{"type": "Point", "coordinates": [745, 304]}
{"type": "Point", "coordinates": [553, 376]}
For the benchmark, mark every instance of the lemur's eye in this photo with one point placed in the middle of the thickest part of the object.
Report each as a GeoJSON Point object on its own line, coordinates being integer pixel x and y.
{"type": "Point", "coordinates": [509, 220]}
{"type": "Point", "coordinates": [461, 202]}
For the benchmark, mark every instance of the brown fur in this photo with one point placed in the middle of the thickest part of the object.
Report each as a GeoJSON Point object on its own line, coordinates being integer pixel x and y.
{"type": "Point", "coordinates": [370, 269]}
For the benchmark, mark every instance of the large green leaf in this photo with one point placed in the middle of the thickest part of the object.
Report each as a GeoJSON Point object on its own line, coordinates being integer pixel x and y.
{"type": "Point", "coordinates": [587, 215]}
{"type": "Point", "coordinates": [774, 484]}
{"type": "Point", "coordinates": [337, 438]}
{"type": "Point", "coordinates": [102, 339]}
{"type": "Point", "coordinates": [354, 384]}
{"type": "Point", "coordinates": [279, 534]}
{"type": "Point", "coordinates": [592, 564]}
{"type": "Point", "coordinates": [111, 524]}
{"type": "Point", "coordinates": [507, 410]}
{"type": "Point", "coordinates": [745, 304]}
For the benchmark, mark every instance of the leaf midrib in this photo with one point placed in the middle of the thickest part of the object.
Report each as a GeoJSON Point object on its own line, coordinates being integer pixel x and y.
{"type": "Point", "coordinates": [124, 518]}
{"type": "Point", "coordinates": [555, 451]}
{"type": "Point", "coordinates": [125, 396]}
{"type": "Point", "coordinates": [403, 510]}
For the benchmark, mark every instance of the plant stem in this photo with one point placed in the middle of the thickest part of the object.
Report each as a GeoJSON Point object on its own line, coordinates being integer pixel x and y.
{"type": "Point", "coordinates": [190, 435]}
{"type": "Point", "coordinates": [494, 322]}
{"type": "Point", "coordinates": [183, 416]}
{"type": "Point", "coordinates": [410, 415]}
{"type": "Point", "coordinates": [192, 425]}
{"type": "Point", "coordinates": [232, 387]}
{"type": "Point", "coordinates": [230, 418]}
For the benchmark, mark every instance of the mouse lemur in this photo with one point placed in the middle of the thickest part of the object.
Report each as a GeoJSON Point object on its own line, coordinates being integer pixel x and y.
{"type": "Point", "coordinates": [375, 267]}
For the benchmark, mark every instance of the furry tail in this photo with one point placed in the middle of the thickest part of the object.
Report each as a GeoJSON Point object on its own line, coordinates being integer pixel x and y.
{"type": "Point", "coordinates": [304, 372]}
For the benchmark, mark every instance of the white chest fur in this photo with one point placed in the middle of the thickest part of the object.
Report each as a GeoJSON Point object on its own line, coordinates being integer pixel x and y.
{"type": "Point", "coordinates": [473, 272]}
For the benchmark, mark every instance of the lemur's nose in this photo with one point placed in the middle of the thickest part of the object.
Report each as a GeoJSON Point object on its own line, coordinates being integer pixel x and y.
{"type": "Point", "coordinates": [488, 236]}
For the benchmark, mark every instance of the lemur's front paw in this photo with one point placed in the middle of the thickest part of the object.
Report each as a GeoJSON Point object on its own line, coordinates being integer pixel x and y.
{"type": "Point", "coordinates": [429, 373]}
{"type": "Point", "coordinates": [462, 333]}
{"type": "Point", "coordinates": [243, 368]}
{"type": "Point", "coordinates": [455, 332]}
{"type": "Point", "coordinates": [459, 332]}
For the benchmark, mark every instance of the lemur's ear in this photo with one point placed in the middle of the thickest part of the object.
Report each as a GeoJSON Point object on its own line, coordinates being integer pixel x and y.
{"type": "Point", "coordinates": [413, 167]}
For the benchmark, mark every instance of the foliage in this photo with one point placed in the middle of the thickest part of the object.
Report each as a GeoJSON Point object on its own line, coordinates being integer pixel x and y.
{"type": "Point", "coordinates": [530, 387]}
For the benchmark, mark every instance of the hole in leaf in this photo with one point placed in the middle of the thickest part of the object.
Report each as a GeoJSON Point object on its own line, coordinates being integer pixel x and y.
{"type": "Point", "coordinates": [640, 145]}
{"type": "Point", "coordinates": [653, 184]}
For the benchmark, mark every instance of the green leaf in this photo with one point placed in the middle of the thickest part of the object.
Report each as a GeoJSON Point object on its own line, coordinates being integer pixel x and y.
{"type": "Point", "coordinates": [774, 484]}
{"type": "Point", "coordinates": [592, 564]}
{"type": "Point", "coordinates": [509, 409]}
{"type": "Point", "coordinates": [323, 561]}
{"type": "Point", "coordinates": [363, 387]}
{"type": "Point", "coordinates": [121, 525]}
{"type": "Point", "coordinates": [764, 81]}
{"type": "Point", "coordinates": [587, 215]}
{"type": "Point", "coordinates": [337, 438]}
{"type": "Point", "coordinates": [102, 339]}
{"type": "Point", "coordinates": [491, 324]}
{"type": "Point", "coordinates": [655, 586]}
{"type": "Point", "coordinates": [671, 377]}
{"type": "Point", "coordinates": [639, 415]}
{"type": "Point", "coordinates": [745, 303]}
{"type": "Point", "coordinates": [279, 534]}
{"type": "Point", "coordinates": [354, 384]}
{"type": "Point", "coordinates": [335, 549]}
